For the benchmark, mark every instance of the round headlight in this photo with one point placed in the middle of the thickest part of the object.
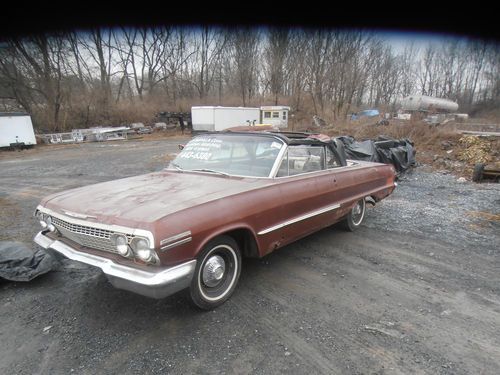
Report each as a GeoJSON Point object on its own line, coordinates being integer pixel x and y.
{"type": "Point", "coordinates": [42, 218]}
{"type": "Point", "coordinates": [145, 254]}
{"type": "Point", "coordinates": [121, 243]}
{"type": "Point", "coordinates": [142, 250]}
{"type": "Point", "coordinates": [50, 226]}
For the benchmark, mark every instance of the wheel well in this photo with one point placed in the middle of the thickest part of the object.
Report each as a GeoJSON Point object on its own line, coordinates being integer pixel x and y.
{"type": "Point", "coordinates": [371, 199]}
{"type": "Point", "coordinates": [246, 241]}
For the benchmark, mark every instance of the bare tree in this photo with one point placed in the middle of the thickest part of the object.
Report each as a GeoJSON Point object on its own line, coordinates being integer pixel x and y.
{"type": "Point", "coordinates": [297, 67]}
{"type": "Point", "coordinates": [87, 77]}
{"type": "Point", "coordinates": [208, 50]}
{"type": "Point", "coordinates": [318, 51]}
{"type": "Point", "coordinates": [96, 47]}
{"type": "Point", "coordinates": [276, 55]}
{"type": "Point", "coordinates": [491, 91]}
{"type": "Point", "coordinates": [347, 69]}
{"type": "Point", "coordinates": [32, 69]}
{"type": "Point", "coordinates": [245, 54]}
{"type": "Point", "coordinates": [407, 74]}
{"type": "Point", "coordinates": [477, 58]}
{"type": "Point", "coordinates": [427, 71]}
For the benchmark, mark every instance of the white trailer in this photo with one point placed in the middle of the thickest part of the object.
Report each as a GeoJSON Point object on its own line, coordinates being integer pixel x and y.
{"type": "Point", "coordinates": [210, 118]}
{"type": "Point", "coordinates": [428, 103]}
{"type": "Point", "coordinates": [275, 115]}
{"type": "Point", "coordinates": [16, 129]}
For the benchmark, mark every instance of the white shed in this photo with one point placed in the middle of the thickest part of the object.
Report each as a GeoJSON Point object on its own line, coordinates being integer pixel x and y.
{"type": "Point", "coordinates": [275, 115]}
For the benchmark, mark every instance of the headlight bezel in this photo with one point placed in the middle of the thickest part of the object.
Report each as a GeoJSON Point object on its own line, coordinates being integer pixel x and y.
{"type": "Point", "coordinates": [143, 251]}
{"type": "Point", "coordinates": [50, 225]}
{"type": "Point", "coordinates": [45, 221]}
{"type": "Point", "coordinates": [41, 217]}
{"type": "Point", "coordinates": [123, 248]}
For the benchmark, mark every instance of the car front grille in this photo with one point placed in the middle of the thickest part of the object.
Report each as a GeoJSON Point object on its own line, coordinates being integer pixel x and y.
{"type": "Point", "coordinates": [87, 236]}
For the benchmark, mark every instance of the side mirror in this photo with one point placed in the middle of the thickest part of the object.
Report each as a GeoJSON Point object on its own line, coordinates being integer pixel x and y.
{"type": "Point", "coordinates": [180, 146]}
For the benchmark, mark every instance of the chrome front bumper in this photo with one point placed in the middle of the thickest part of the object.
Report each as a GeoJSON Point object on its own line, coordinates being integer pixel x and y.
{"type": "Point", "coordinates": [159, 284]}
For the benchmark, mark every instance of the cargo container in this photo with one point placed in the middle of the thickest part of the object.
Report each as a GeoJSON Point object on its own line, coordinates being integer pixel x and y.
{"type": "Point", "coordinates": [210, 118]}
{"type": "Point", "coordinates": [16, 130]}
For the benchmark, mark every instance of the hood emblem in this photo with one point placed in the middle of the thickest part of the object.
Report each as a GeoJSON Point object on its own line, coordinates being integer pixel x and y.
{"type": "Point", "coordinates": [79, 216]}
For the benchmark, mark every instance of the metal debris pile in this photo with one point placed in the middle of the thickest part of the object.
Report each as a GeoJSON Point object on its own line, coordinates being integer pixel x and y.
{"type": "Point", "coordinates": [475, 150]}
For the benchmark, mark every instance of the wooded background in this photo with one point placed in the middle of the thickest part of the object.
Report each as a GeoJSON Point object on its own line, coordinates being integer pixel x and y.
{"type": "Point", "coordinates": [118, 76]}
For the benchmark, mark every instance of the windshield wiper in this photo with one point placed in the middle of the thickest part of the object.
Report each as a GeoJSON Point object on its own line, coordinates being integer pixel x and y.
{"type": "Point", "coordinates": [177, 167]}
{"type": "Point", "coordinates": [210, 171]}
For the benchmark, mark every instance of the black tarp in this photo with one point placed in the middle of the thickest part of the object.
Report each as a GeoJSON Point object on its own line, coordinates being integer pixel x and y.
{"type": "Point", "coordinates": [19, 263]}
{"type": "Point", "coordinates": [398, 152]}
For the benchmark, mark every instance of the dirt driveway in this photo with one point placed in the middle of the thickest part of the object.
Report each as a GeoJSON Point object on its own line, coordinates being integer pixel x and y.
{"type": "Point", "coordinates": [415, 290]}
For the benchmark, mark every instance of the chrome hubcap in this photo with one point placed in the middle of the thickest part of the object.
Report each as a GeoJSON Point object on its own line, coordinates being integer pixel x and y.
{"type": "Point", "coordinates": [357, 212]}
{"type": "Point", "coordinates": [357, 209]}
{"type": "Point", "coordinates": [213, 271]}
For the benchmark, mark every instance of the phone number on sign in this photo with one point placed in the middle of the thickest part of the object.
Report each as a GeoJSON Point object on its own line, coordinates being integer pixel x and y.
{"type": "Point", "coordinates": [196, 155]}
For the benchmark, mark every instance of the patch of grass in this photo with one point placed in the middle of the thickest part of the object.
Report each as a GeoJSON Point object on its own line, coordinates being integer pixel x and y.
{"type": "Point", "coordinates": [488, 216]}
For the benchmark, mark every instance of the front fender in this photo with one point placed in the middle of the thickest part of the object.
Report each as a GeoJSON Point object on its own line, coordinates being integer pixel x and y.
{"type": "Point", "coordinates": [223, 230]}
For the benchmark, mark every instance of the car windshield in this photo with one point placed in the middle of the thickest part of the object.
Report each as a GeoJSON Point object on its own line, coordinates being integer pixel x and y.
{"type": "Point", "coordinates": [240, 155]}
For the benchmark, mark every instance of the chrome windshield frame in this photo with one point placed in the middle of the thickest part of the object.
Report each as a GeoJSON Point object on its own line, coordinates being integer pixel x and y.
{"type": "Point", "coordinates": [272, 172]}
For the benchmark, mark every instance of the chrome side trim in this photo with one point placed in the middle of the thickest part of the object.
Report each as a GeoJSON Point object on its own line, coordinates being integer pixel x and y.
{"type": "Point", "coordinates": [169, 246]}
{"type": "Point", "coordinates": [335, 169]}
{"type": "Point", "coordinates": [110, 227]}
{"type": "Point", "coordinates": [300, 218]}
{"type": "Point", "coordinates": [175, 238]}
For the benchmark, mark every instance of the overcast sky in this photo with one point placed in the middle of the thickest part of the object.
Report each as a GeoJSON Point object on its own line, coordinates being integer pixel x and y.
{"type": "Point", "coordinates": [399, 40]}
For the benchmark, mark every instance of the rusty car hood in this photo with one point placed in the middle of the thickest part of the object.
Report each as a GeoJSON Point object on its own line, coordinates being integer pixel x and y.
{"type": "Point", "coordinates": [148, 197]}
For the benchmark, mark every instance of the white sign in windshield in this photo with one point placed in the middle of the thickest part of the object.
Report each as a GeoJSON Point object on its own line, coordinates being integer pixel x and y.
{"type": "Point", "coordinates": [201, 148]}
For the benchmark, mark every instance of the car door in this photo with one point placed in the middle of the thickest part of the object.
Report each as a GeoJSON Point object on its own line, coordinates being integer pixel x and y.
{"type": "Point", "coordinates": [332, 187]}
{"type": "Point", "coordinates": [302, 176]}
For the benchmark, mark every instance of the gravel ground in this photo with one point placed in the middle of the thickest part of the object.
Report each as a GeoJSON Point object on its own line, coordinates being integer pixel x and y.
{"type": "Point", "coordinates": [415, 290]}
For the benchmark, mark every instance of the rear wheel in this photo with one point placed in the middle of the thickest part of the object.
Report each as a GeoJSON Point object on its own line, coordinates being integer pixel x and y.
{"type": "Point", "coordinates": [355, 217]}
{"type": "Point", "coordinates": [477, 174]}
{"type": "Point", "coordinates": [217, 272]}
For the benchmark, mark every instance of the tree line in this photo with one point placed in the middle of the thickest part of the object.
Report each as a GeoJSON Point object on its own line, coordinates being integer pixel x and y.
{"type": "Point", "coordinates": [113, 76]}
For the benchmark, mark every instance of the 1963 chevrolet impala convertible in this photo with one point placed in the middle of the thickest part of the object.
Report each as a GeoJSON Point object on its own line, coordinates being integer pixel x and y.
{"type": "Point", "coordinates": [225, 196]}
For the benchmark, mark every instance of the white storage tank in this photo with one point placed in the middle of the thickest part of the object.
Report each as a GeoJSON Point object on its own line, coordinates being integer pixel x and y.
{"type": "Point", "coordinates": [16, 129]}
{"type": "Point", "coordinates": [428, 103]}
{"type": "Point", "coordinates": [212, 118]}
{"type": "Point", "coordinates": [275, 115]}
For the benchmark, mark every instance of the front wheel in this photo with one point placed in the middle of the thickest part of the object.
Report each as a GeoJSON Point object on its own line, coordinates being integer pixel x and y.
{"type": "Point", "coordinates": [355, 217]}
{"type": "Point", "coordinates": [217, 272]}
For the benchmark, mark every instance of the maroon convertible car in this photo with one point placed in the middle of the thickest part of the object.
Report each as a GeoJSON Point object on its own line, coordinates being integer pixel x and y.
{"type": "Point", "coordinates": [225, 196]}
